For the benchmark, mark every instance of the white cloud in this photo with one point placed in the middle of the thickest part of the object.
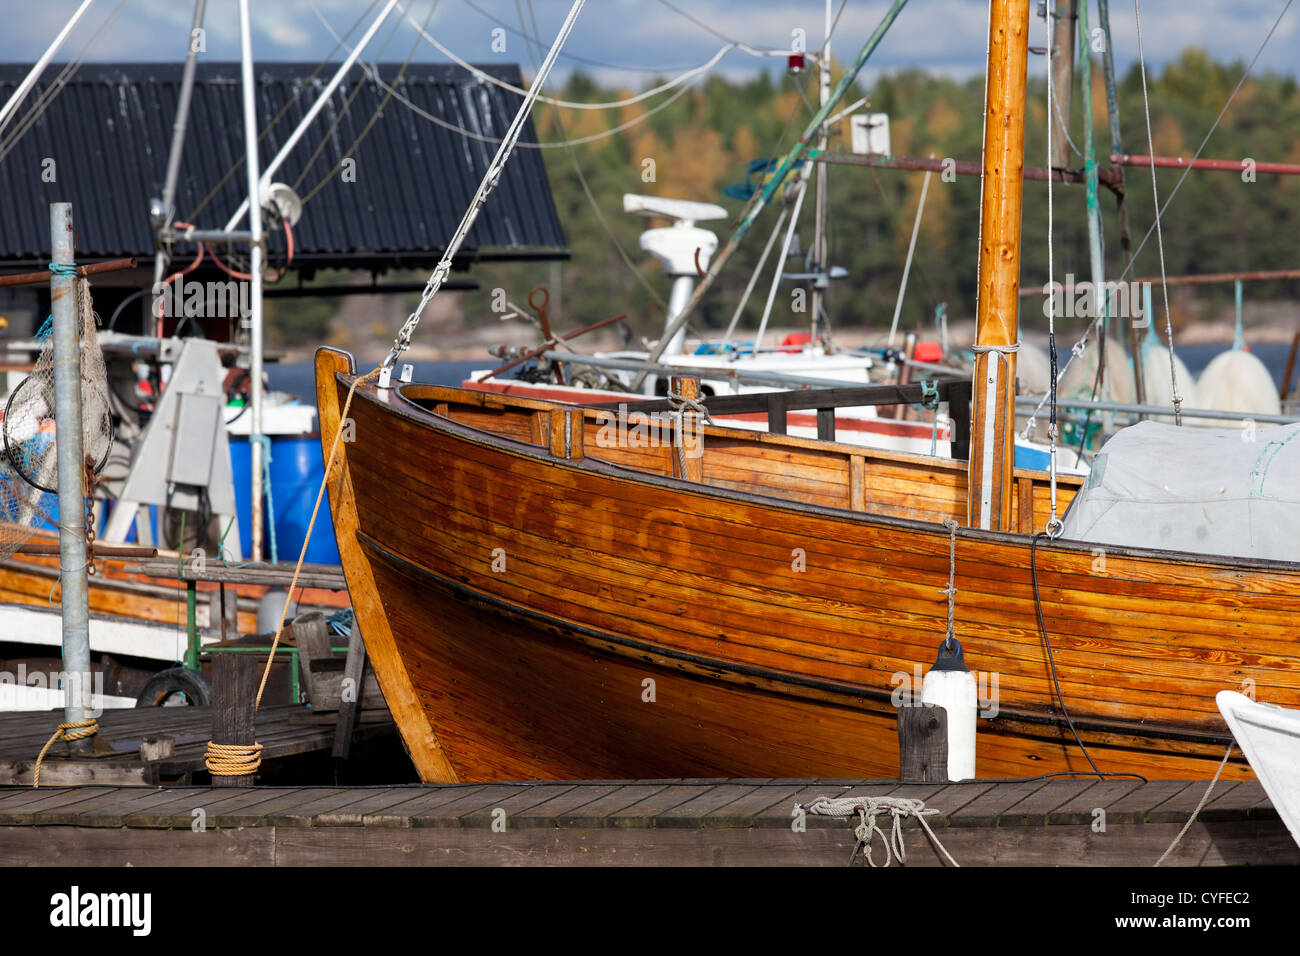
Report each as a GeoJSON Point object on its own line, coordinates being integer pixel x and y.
{"type": "Point", "coordinates": [940, 35]}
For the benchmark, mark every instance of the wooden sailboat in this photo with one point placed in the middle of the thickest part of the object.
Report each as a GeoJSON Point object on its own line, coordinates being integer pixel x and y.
{"type": "Point", "coordinates": [537, 609]}
{"type": "Point", "coordinates": [541, 602]}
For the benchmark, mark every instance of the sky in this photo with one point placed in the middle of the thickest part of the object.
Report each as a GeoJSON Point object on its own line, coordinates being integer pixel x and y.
{"type": "Point", "coordinates": [612, 36]}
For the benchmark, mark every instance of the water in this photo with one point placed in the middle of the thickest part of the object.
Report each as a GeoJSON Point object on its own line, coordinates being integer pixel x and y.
{"type": "Point", "coordinates": [299, 378]}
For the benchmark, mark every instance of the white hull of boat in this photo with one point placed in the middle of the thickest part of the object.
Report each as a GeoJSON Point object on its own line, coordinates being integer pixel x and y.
{"type": "Point", "coordinates": [1269, 736]}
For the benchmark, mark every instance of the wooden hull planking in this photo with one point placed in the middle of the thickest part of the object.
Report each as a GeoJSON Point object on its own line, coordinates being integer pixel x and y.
{"type": "Point", "coordinates": [516, 603]}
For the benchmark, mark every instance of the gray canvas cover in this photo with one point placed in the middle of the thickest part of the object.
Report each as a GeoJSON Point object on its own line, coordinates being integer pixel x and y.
{"type": "Point", "coordinates": [1221, 491]}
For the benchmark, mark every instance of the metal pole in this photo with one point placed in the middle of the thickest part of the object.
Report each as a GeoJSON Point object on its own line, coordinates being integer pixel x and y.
{"type": "Point", "coordinates": [71, 470]}
{"type": "Point", "coordinates": [34, 74]}
{"type": "Point", "coordinates": [1110, 177]}
{"type": "Point", "coordinates": [321, 101]}
{"type": "Point", "coordinates": [821, 212]}
{"type": "Point", "coordinates": [1137, 408]}
{"type": "Point", "coordinates": [911, 250]}
{"type": "Point", "coordinates": [177, 148]}
{"type": "Point", "coordinates": [1097, 261]}
{"type": "Point", "coordinates": [255, 283]}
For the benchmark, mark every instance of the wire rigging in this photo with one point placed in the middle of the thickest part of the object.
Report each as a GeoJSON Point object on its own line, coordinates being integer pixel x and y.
{"type": "Point", "coordinates": [568, 104]}
{"type": "Point", "coordinates": [1160, 239]}
{"type": "Point", "coordinates": [55, 86]}
{"type": "Point", "coordinates": [302, 87]}
{"type": "Point", "coordinates": [586, 189]}
{"type": "Point", "coordinates": [1081, 345]}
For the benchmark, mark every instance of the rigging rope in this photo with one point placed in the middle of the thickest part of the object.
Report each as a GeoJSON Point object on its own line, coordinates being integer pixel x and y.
{"type": "Point", "coordinates": [586, 191]}
{"type": "Point", "coordinates": [570, 104]}
{"type": "Point", "coordinates": [1052, 522]}
{"type": "Point", "coordinates": [1081, 345]}
{"type": "Point", "coordinates": [951, 589]}
{"type": "Point", "coordinates": [1160, 238]}
{"type": "Point", "coordinates": [490, 179]}
{"type": "Point", "coordinates": [415, 108]}
{"type": "Point", "coordinates": [274, 121]}
{"type": "Point", "coordinates": [1199, 807]}
{"type": "Point", "coordinates": [374, 117]}
{"type": "Point", "coordinates": [56, 85]}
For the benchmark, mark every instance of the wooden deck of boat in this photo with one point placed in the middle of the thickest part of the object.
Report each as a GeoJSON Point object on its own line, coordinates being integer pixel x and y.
{"type": "Point", "coordinates": [284, 730]}
{"type": "Point", "coordinates": [1046, 822]}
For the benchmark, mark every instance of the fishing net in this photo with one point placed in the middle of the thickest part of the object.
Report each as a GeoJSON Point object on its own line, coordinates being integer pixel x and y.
{"type": "Point", "coordinates": [29, 480]}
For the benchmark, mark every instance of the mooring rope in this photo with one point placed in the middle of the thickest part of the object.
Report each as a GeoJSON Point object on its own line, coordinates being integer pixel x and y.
{"type": "Point", "coordinates": [1199, 807]}
{"type": "Point", "coordinates": [867, 809]}
{"type": "Point", "coordinates": [76, 730]}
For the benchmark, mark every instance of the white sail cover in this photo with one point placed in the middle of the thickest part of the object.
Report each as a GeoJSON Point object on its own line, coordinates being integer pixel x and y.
{"type": "Point", "coordinates": [1221, 491]}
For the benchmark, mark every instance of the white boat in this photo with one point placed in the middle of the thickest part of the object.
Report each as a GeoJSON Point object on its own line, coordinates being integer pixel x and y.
{"type": "Point", "coordinates": [1269, 736]}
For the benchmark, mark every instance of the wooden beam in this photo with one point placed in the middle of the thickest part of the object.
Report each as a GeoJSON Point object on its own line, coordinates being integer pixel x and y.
{"type": "Point", "coordinates": [805, 398]}
{"type": "Point", "coordinates": [922, 744]}
{"type": "Point", "coordinates": [322, 576]}
{"type": "Point", "coordinates": [354, 676]}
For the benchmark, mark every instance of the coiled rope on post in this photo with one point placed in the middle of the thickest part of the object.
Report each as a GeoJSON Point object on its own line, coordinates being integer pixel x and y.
{"type": "Point", "coordinates": [868, 809]}
{"type": "Point", "coordinates": [232, 760]}
{"type": "Point", "coordinates": [76, 730]}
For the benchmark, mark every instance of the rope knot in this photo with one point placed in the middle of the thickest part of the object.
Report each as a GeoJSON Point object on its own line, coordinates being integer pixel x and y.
{"type": "Point", "coordinates": [76, 730]}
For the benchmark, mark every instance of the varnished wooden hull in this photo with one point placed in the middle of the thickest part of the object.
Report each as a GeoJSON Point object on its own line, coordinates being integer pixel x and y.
{"type": "Point", "coordinates": [521, 609]}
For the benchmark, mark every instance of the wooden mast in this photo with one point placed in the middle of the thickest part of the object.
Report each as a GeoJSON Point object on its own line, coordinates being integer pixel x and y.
{"type": "Point", "coordinates": [993, 410]}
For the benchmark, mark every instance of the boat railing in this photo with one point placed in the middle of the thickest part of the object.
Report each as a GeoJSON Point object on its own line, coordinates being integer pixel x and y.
{"type": "Point", "coordinates": [825, 400]}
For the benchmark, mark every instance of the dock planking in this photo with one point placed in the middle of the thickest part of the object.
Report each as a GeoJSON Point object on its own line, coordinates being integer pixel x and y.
{"type": "Point", "coordinates": [1043, 821]}
{"type": "Point", "coordinates": [284, 730]}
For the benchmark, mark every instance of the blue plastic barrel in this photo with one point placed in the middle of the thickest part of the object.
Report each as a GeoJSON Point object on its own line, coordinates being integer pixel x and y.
{"type": "Point", "coordinates": [297, 471]}
{"type": "Point", "coordinates": [296, 474]}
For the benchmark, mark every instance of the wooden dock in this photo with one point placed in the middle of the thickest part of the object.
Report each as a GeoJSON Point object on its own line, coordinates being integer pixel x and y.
{"type": "Point", "coordinates": [284, 730]}
{"type": "Point", "coordinates": [1043, 822]}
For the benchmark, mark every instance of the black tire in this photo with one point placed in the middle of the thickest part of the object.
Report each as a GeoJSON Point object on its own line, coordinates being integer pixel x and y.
{"type": "Point", "coordinates": [176, 687]}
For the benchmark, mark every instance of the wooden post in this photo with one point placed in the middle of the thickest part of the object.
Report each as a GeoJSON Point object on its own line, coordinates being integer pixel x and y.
{"type": "Point", "coordinates": [1062, 79]}
{"type": "Point", "coordinates": [354, 677]}
{"type": "Point", "coordinates": [311, 635]}
{"type": "Point", "coordinates": [825, 424]}
{"type": "Point", "coordinates": [959, 411]}
{"type": "Point", "coordinates": [688, 386]}
{"type": "Point", "coordinates": [156, 748]}
{"type": "Point", "coordinates": [234, 692]}
{"type": "Point", "coordinates": [776, 413]}
{"type": "Point", "coordinates": [229, 612]}
{"type": "Point", "coordinates": [566, 432]}
{"type": "Point", "coordinates": [922, 744]}
{"type": "Point", "coordinates": [997, 321]}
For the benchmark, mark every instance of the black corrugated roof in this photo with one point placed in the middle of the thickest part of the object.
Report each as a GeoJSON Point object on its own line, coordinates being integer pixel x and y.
{"type": "Point", "coordinates": [109, 131]}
